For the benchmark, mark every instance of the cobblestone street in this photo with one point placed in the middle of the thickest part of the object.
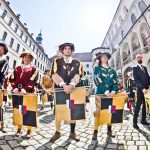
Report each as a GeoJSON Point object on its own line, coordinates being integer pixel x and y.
{"type": "Point", "coordinates": [126, 136]}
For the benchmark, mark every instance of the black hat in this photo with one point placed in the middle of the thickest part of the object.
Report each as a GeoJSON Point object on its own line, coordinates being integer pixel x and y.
{"type": "Point", "coordinates": [62, 46]}
{"type": "Point", "coordinates": [100, 54]}
{"type": "Point", "coordinates": [2, 43]}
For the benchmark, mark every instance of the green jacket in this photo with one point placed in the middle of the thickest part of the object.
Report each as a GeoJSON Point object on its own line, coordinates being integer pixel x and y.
{"type": "Point", "coordinates": [105, 79]}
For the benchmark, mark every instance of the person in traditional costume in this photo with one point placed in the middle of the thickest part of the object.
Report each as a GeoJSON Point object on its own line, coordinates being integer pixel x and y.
{"type": "Point", "coordinates": [85, 82]}
{"type": "Point", "coordinates": [130, 88]}
{"type": "Point", "coordinates": [106, 81]}
{"type": "Point", "coordinates": [3, 73]}
{"type": "Point", "coordinates": [66, 73]}
{"type": "Point", "coordinates": [23, 81]}
{"type": "Point", "coordinates": [47, 86]}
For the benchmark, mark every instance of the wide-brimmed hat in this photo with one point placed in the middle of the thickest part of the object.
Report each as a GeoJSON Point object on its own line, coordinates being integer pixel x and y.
{"type": "Point", "coordinates": [100, 54]}
{"type": "Point", "coordinates": [2, 43]}
{"type": "Point", "coordinates": [62, 46]}
{"type": "Point", "coordinates": [47, 69]}
{"type": "Point", "coordinates": [26, 53]}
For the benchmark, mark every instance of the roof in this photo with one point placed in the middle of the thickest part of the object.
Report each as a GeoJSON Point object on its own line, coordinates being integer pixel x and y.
{"type": "Point", "coordinates": [84, 57]}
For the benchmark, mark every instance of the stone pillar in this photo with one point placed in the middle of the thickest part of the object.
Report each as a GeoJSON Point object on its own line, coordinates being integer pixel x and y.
{"type": "Point", "coordinates": [141, 42]}
{"type": "Point", "coordinates": [121, 55]}
{"type": "Point", "coordinates": [131, 49]}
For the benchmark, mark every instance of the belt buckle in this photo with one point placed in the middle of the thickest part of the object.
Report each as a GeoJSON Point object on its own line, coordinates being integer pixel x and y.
{"type": "Point", "coordinates": [20, 86]}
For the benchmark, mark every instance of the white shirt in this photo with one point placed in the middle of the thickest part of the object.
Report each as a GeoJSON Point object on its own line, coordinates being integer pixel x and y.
{"type": "Point", "coordinates": [105, 65]}
{"type": "Point", "coordinates": [141, 66]}
{"type": "Point", "coordinates": [2, 57]}
{"type": "Point", "coordinates": [68, 60]}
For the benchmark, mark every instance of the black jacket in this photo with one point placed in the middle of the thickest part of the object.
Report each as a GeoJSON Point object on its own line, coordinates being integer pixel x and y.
{"type": "Point", "coordinates": [141, 78]}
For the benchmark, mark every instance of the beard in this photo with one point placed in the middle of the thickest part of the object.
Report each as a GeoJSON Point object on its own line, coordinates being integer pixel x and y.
{"type": "Point", "coordinates": [140, 61]}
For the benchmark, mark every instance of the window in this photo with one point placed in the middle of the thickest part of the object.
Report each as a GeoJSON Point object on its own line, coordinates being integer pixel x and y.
{"type": "Point", "coordinates": [11, 42]}
{"type": "Point", "coordinates": [4, 14]}
{"type": "Point", "coordinates": [17, 49]}
{"type": "Point", "coordinates": [87, 65]}
{"type": "Point", "coordinates": [26, 39]}
{"type": "Point", "coordinates": [16, 28]}
{"type": "Point", "coordinates": [4, 36]}
{"type": "Point", "coordinates": [30, 43]}
{"type": "Point", "coordinates": [88, 72]}
{"type": "Point", "coordinates": [133, 18]}
{"type": "Point", "coordinates": [21, 34]}
{"type": "Point", "coordinates": [125, 9]}
{"type": "Point", "coordinates": [37, 51]}
{"type": "Point", "coordinates": [35, 61]}
{"type": "Point", "coordinates": [122, 34]}
{"type": "Point", "coordinates": [7, 57]}
{"type": "Point", "coordinates": [23, 49]}
{"type": "Point", "coordinates": [10, 21]}
{"type": "Point", "coordinates": [33, 48]}
{"type": "Point", "coordinates": [120, 19]}
{"type": "Point", "coordinates": [142, 6]}
{"type": "Point", "coordinates": [14, 64]}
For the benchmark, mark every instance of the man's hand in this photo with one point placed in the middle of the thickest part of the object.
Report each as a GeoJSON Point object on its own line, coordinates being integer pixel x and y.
{"type": "Point", "coordinates": [66, 88]}
{"type": "Point", "coordinates": [145, 91]}
{"type": "Point", "coordinates": [23, 91]}
{"type": "Point", "coordinates": [108, 94]}
{"type": "Point", "coordinates": [71, 87]}
{"type": "Point", "coordinates": [112, 93]}
{"type": "Point", "coordinates": [16, 91]}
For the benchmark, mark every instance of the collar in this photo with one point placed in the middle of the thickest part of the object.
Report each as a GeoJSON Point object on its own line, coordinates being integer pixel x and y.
{"type": "Point", "coordinates": [68, 59]}
{"type": "Point", "coordinates": [140, 65]}
{"type": "Point", "coordinates": [26, 66]}
{"type": "Point", "coordinates": [3, 57]}
{"type": "Point", "coordinates": [105, 66]}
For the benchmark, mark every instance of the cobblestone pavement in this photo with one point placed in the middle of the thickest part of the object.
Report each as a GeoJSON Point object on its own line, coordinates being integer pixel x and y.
{"type": "Point", "coordinates": [126, 136]}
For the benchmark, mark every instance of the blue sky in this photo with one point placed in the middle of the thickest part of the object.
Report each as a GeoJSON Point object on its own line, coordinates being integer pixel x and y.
{"type": "Point", "coordinates": [82, 22]}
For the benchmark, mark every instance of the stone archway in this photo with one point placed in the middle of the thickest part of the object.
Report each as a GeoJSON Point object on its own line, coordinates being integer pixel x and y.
{"type": "Point", "coordinates": [148, 66]}
{"type": "Point", "coordinates": [135, 44]}
{"type": "Point", "coordinates": [125, 53]}
{"type": "Point", "coordinates": [145, 35]}
{"type": "Point", "coordinates": [112, 63]}
{"type": "Point", "coordinates": [118, 60]}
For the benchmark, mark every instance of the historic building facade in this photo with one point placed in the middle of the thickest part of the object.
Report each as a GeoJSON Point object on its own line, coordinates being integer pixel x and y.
{"type": "Point", "coordinates": [128, 35]}
{"type": "Point", "coordinates": [18, 39]}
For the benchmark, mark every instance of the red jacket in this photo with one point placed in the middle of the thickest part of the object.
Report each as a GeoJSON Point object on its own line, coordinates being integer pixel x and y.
{"type": "Point", "coordinates": [24, 78]}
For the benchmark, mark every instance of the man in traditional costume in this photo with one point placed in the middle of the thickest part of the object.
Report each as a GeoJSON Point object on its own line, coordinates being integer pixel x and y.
{"type": "Point", "coordinates": [23, 81]}
{"type": "Point", "coordinates": [3, 72]}
{"type": "Point", "coordinates": [130, 88]}
{"type": "Point", "coordinates": [47, 86]}
{"type": "Point", "coordinates": [66, 73]}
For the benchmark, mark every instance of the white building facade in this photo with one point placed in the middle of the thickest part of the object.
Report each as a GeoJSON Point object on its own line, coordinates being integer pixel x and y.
{"type": "Point", "coordinates": [18, 39]}
{"type": "Point", "coordinates": [128, 35]}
